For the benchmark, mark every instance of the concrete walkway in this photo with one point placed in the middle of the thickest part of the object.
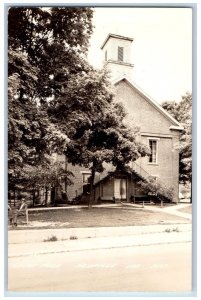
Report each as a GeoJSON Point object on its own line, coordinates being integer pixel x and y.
{"type": "Point", "coordinates": [174, 235]}
{"type": "Point", "coordinates": [39, 235]}
{"type": "Point", "coordinates": [172, 210]}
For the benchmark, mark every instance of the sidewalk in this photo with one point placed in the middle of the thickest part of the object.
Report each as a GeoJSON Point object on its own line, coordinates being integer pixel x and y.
{"type": "Point", "coordinates": [37, 236]}
{"type": "Point", "coordinates": [30, 249]}
{"type": "Point", "coordinates": [173, 210]}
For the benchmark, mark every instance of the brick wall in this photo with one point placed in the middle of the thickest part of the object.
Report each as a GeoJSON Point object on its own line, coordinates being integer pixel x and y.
{"type": "Point", "coordinates": [140, 112]}
{"type": "Point", "coordinates": [153, 124]}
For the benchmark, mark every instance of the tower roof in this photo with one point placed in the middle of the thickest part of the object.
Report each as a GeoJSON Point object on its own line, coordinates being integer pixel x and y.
{"type": "Point", "coordinates": [117, 37]}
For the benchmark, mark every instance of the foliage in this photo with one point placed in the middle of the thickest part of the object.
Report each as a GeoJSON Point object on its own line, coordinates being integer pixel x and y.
{"type": "Point", "coordinates": [31, 137]}
{"type": "Point", "coordinates": [176, 229]}
{"type": "Point", "coordinates": [53, 39]}
{"type": "Point", "coordinates": [73, 237]}
{"type": "Point", "coordinates": [182, 112]}
{"type": "Point", "coordinates": [95, 123]}
{"type": "Point", "coordinates": [45, 176]}
{"type": "Point", "coordinates": [156, 188]}
{"type": "Point", "coordinates": [45, 46]}
{"type": "Point", "coordinates": [53, 173]}
{"type": "Point", "coordinates": [52, 238]}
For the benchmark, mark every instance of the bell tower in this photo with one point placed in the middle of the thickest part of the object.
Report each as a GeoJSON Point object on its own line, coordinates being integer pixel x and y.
{"type": "Point", "coordinates": [116, 51]}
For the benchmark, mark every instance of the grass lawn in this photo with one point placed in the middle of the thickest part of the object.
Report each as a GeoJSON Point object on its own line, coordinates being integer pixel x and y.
{"type": "Point", "coordinates": [96, 217]}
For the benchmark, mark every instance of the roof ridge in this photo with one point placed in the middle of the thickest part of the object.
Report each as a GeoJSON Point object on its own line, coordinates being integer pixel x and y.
{"type": "Point", "coordinates": [115, 36]}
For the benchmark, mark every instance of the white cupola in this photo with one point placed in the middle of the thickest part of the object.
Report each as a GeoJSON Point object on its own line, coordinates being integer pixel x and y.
{"type": "Point", "coordinates": [116, 51]}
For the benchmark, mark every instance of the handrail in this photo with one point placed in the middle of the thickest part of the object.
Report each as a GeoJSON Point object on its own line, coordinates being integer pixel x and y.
{"type": "Point", "coordinates": [138, 169]}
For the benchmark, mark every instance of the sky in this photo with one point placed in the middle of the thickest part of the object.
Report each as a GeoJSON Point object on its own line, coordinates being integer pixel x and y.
{"type": "Point", "coordinates": [161, 50]}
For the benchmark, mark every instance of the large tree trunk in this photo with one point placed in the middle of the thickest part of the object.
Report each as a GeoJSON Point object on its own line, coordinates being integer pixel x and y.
{"type": "Point", "coordinates": [91, 197]}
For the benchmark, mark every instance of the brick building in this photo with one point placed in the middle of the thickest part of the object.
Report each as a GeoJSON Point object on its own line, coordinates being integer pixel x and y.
{"type": "Point", "coordinates": [158, 130]}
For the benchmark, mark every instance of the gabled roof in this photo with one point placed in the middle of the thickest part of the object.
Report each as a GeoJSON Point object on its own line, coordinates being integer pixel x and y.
{"type": "Point", "coordinates": [117, 37]}
{"type": "Point", "coordinates": [113, 171]}
{"type": "Point", "coordinates": [175, 124]}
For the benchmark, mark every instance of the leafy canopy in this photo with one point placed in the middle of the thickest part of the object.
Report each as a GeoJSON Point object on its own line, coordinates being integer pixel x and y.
{"type": "Point", "coordinates": [89, 115]}
{"type": "Point", "coordinates": [44, 47]}
{"type": "Point", "coordinates": [182, 112]}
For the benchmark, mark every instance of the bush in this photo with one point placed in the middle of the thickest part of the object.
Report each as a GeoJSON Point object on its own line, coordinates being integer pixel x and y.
{"type": "Point", "coordinates": [73, 237]}
{"type": "Point", "coordinates": [150, 186]}
{"type": "Point", "coordinates": [53, 238]}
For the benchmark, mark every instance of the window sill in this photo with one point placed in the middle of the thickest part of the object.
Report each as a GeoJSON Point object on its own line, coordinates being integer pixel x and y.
{"type": "Point", "coordinates": [153, 164]}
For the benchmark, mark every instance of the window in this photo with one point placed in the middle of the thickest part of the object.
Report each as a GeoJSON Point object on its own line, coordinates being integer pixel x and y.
{"type": "Point", "coordinates": [85, 177]}
{"type": "Point", "coordinates": [153, 148]}
{"type": "Point", "coordinates": [120, 53]}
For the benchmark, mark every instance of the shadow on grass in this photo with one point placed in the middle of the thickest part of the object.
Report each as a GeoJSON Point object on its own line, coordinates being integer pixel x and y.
{"type": "Point", "coordinates": [96, 217]}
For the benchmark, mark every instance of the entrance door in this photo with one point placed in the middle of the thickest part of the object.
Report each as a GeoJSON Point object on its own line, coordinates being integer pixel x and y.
{"type": "Point", "coordinates": [120, 188]}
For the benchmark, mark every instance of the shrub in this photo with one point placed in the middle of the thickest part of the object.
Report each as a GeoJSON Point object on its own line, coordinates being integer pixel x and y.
{"type": "Point", "coordinates": [172, 230]}
{"type": "Point", "coordinates": [53, 238]}
{"type": "Point", "coordinates": [175, 229]}
{"type": "Point", "coordinates": [156, 188]}
{"type": "Point", "coordinates": [73, 237]}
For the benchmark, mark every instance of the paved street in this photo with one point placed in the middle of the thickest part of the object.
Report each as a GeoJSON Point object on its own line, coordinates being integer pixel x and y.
{"type": "Point", "coordinates": [139, 268]}
{"type": "Point", "coordinates": [155, 258]}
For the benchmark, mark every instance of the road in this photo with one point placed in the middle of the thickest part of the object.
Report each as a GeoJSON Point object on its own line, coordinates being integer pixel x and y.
{"type": "Point", "coordinates": [152, 268]}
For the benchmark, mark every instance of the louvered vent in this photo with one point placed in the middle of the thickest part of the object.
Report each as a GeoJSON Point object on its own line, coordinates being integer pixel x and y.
{"type": "Point", "coordinates": [120, 53]}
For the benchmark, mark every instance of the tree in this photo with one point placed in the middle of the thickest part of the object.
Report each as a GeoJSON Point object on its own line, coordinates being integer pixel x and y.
{"type": "Point", "coordinates": [88, 114]}
{"type": "Point", "coordinates": [45, 177]}
{"type": "Point", "coordinates": [182, 112]}
{"type": "Point", "coordinates": [54, 41]}
{"type": "Point", "coordinates": [45, 46]}
{"type": "Point", "coordinates": [31, 137]}
{"type": "Point", "coordinates": [62, 102]}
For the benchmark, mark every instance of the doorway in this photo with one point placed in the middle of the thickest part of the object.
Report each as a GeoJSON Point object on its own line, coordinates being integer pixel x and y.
{"type": "Point", "coordinates": [120, 188]}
